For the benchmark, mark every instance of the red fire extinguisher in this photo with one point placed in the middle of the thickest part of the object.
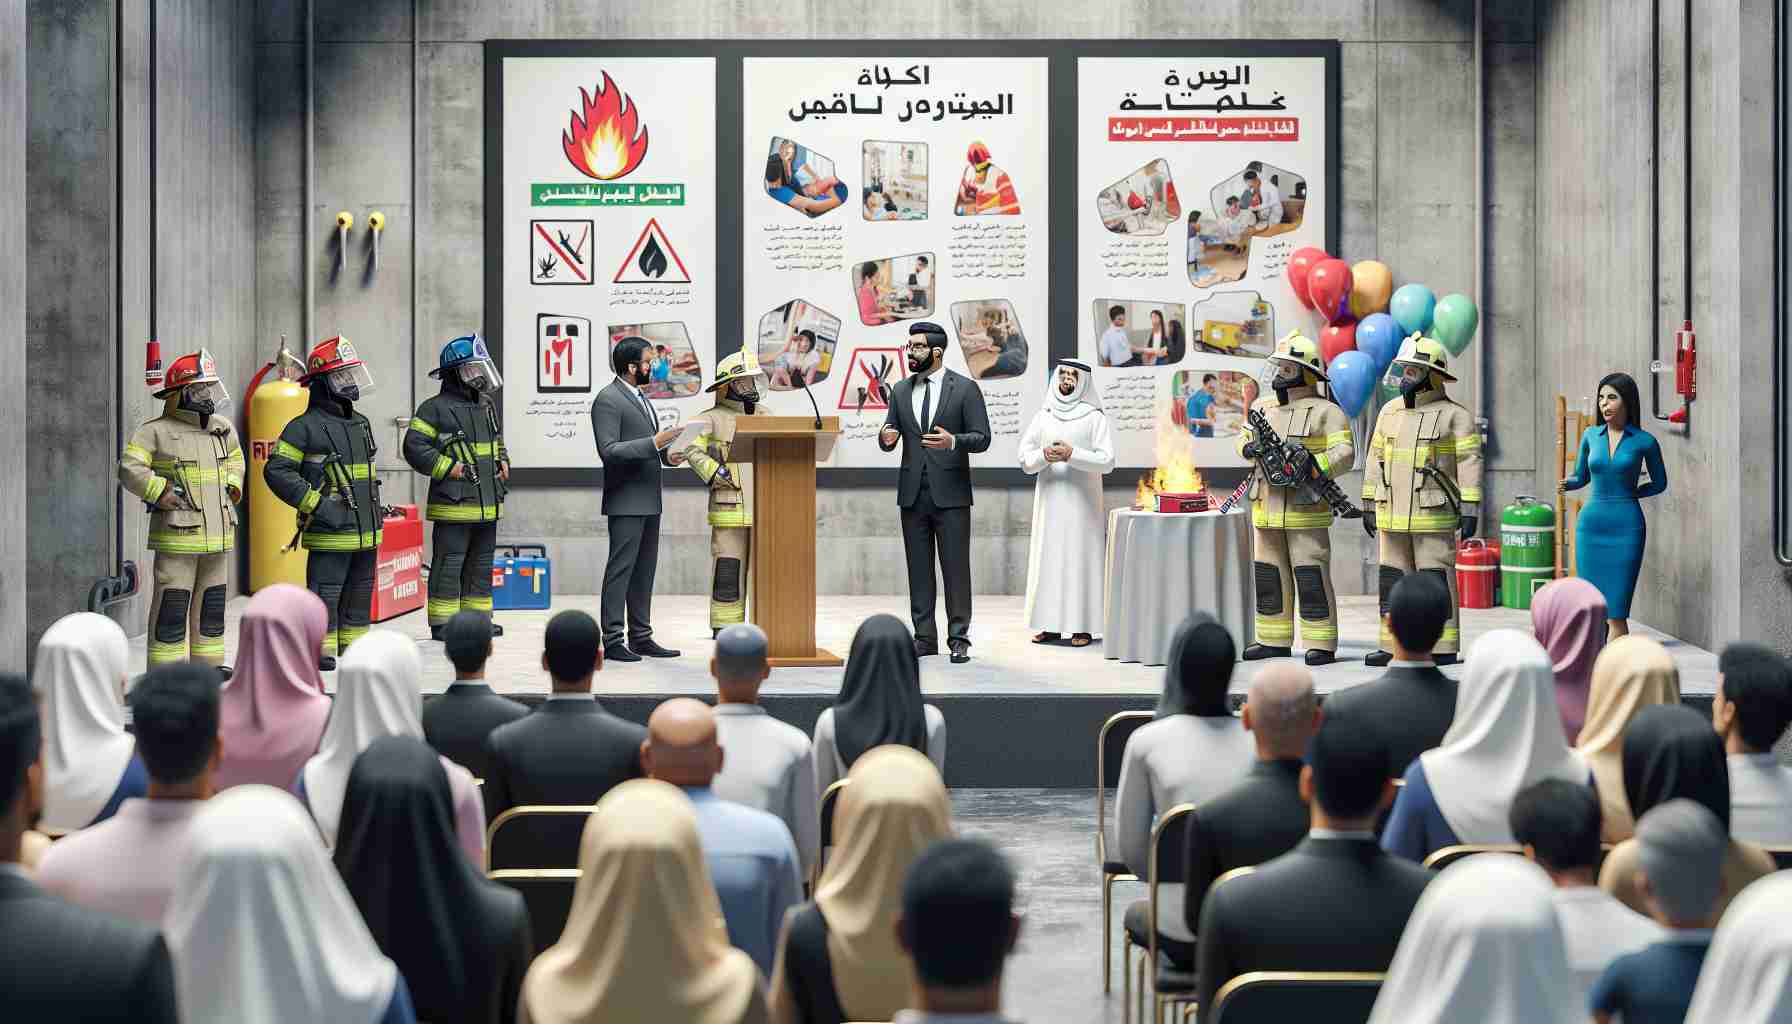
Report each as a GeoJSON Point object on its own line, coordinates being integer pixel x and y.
{"type": "Point", "coordinates": [152, 364]}
{"type": "Point", "coordinates": [1477, 574]}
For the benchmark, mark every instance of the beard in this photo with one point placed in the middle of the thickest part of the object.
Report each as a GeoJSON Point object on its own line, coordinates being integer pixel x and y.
{"type": "Point", "coordinates": [920, 364]}
{"type": "Point", "coordinates": [642, 376]}
{"type": "Point", "coordinates": [1066, 389]}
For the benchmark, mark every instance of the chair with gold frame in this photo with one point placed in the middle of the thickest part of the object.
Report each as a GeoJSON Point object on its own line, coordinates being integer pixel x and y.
{"type": "Point", "coordinates": [829, 800]}
{"type": "Point", "coordinates": [547, 893]}
{"type": "Point", "coordinates": [547, 836]}
{"type": "Point", "coordinates": [1165, 866]}
{"type": "Point", "coordinates": [1271, 997]}
{"type": "Point", "coordinates": [1118, 728]}
{"type": "Point", "coordinates": [1782, 856]}
{"type": "Point", "coordinates": [1443, 858]}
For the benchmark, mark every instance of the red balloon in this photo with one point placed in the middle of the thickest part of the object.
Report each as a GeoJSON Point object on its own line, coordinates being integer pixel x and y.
{"type": "Point", "coordinates": [1339, 337]}
{"type": "Point", "coordinates": [1328, 285]}
{"type": "Point", "coordinates": [1300, 266]}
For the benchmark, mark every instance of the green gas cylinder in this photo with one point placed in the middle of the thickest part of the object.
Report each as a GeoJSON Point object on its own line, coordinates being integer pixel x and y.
{"type": "Point", "coordinates": [1527, 550]}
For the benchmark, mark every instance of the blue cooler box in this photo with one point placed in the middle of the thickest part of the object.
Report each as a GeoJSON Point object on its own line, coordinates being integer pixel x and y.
{"type": "Point", "coordinates": [520, 579]}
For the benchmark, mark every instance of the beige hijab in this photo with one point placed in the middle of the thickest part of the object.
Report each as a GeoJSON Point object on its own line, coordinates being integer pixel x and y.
{"type": "Point", "coordinates": [1632, 673]}
{"type": "Point", "coordinates": [645, 939]}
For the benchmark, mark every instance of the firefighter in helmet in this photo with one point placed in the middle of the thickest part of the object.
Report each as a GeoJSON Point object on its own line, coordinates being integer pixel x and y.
{"type": "Point", "coordinates": [187, 467]}
{"type": "Point", "coordinates": [1291, 544]}
{"type": "Point", "coordinates": [323, 466]}
{"type": "Point", "coordinates": [738, 385]}
{"type": "Point", "coordinates": [1424, 476]}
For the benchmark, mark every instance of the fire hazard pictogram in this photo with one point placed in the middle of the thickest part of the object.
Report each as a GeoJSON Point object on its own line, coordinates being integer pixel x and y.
{"type": "Point", "coordinates": [560, 251]}
{"type": "Point", "coordinates": [652, 260]}
{"type": "Point", "coordinates": [870, 375]}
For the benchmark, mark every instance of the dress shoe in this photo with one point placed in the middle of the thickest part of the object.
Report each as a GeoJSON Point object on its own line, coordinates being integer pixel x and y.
{"type": "Point", "coordinates": [1444, 659]}
{"type": "Point", "coordinates": [497, 630]}
{"type": "Point", "coordinates": [1319, 657]}
{"type": "Point", "coordinates": [325, 663]}
{"type": "Point", "coordinates": [652, 650]}
{"type": "Point", "coordinates": [961, 653]}
{"type": "Point", "coordinates": [1377, 659]}
{"type": "Point", "coordinates": [435, 632]}
{"type": "Point", "coordinates": [617, 652]}
{"type": "Point", "coordinates": [1257, 652]}
{"type": "Point", "coordinates": [925, 650]}
{"type": "Point", "coordinates": [225, 672]}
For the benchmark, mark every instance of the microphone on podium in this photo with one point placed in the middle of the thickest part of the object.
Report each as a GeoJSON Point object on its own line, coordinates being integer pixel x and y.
{"type": "Point", "coordinates": [801, 380]}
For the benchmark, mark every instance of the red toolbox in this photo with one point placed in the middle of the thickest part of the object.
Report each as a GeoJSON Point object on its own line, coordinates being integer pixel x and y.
{"type": "Point", "coordinates": [398, 582]}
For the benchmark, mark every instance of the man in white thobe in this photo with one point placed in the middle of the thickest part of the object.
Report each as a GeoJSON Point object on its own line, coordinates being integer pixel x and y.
{"type": "Point", "coordinates": [1069, 448]}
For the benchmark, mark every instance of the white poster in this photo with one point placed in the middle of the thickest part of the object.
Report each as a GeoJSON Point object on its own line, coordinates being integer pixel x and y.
{"type": "Point", "coordinates": [1196, 180]}
{"type": "Point", "coordinates": [880, 193]}
{"type": "Point", "coordinates": [609, 225]}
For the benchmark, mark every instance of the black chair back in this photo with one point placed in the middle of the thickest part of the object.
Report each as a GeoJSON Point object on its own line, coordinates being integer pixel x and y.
{"type": "Point", "coordinates": [830, 799]}
{"type": "Point", "coordinates": [538, 836]}
{"type": "Point", "coordinates": [1782, 856]}
{"type": "Point", "coordinates": [547, 893]}
{"type": "Point", "coordinates": [1274, 997]}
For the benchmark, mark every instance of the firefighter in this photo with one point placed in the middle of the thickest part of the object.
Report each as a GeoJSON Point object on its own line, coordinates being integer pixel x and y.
{"type": "Point", "coordinates": [1291, 526]}
{"type": "Point", "coordinates": [323, 466]}
{"type": "Point", "coordinates": [1424, 476]}
{"type": "Point", "coordinates": [454, 440]}
{"type": "Point", "coordinates": [188, 468]}
{"type": "Point", "coordinates": [737, 389]}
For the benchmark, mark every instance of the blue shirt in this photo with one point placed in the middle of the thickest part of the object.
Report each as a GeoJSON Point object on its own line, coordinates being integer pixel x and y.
{"type": "Point", "coordinates": [1653, 985]}
{"type": "Point", "coordinates": [1416, 826]}
{"type": "Point", "coordinates": [753, 862]}
{"type": "Point", "coordinates": [134, 783]}
{"type": "Point", "coordinates": [1198, 404]}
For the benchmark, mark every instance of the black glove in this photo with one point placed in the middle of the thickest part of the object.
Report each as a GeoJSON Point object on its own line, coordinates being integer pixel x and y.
{"type": "Point", "coordinates": [1470, 526]}
{"type": "Point", "coordinates": [1251, 450]}
{"type": "Point", "coordinates": [1369, 521]}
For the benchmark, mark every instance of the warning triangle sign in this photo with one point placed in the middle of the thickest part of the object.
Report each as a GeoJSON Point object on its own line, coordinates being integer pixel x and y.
{"type": "Point", "coordinates": [869, 376]}
{"type": "Point", "coordinates": [652, 260]}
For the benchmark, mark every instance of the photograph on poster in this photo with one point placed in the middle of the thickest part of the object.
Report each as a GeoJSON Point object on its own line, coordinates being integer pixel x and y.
{"type": "Point", "coordinates": [802, 179]}
{"type": "Point", "coordinates": [675, 372]}
{"type": "Point", "coordinates": [895, 181]}
{"type": "Point", "coordinates": [1135, 332]}
{"type": "Point", "coordinates": [990, 338]}
{"type": "Point", "coordinates": [1142, 203]}
{"type": "Point", "coordinates": [1239, 323]}
{"type": "Point", "coordinates": [898, 288]}
{"type": "Point", "coordinates": [796, 344]}
{"type": "Point", "coordinates": [1260, 201]}
{"type": "Point", "coordinates": [1212, 401]}
{"type": "Point", "coordinates": [984, 189]}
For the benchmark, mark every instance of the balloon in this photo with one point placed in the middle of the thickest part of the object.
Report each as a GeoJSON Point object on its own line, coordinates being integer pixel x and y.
{"type": "Point", "coordinates": [1353, 380]}
{"type": "Point", "coordinates": [1378, 335]}
{"type": "Point", "coordinates": [1412, 307]}
{"type": "Point", "coordinates": [1328, 284]}
{"type": "Point", "coordinates": [1300, 265]}
{"type": "Point", "coordinates": [1337, 339]}
{"type": "Point", "coordinates": [1342, 313]}
{"type": "Point", "coordinates": [1371, 283]}
{"type": "Point", "coordinates": [1454, 322]}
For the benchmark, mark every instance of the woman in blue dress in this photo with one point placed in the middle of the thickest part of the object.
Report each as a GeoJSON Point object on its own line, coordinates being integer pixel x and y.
{"type": "Point", "coordinates": [1609, 535]}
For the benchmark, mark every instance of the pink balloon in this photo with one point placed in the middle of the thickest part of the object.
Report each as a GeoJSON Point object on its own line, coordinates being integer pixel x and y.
{"type": "Point", "coordinates": [1328, 284]}
{"type": "Point", "coordinates": [1338, 338]}
{"type": "Point", "coordinates": [1300, 267]}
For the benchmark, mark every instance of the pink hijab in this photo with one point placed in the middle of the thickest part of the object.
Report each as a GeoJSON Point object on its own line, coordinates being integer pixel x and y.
{"type": "Point", "coordinates": [273, 710]}
{"type": "Point", "coordinates": [1568, 617]}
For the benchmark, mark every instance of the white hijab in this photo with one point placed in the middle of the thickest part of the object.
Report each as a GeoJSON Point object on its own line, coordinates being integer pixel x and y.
{"type": "Point", "coordinates": [81, 665]}
{"type": "Point", "coordinates": [1747, 978]}
{"type": "Point", "coordinates": [1080, 402]}
{"type": "Point", "coordinates": [377, 695]}
{"type": "Point", "coordinates": [260, 926]}
{"type": "Point", "coordinates": [1483, 944]}
{"type": "Point", "coordinates": [1507, 734]}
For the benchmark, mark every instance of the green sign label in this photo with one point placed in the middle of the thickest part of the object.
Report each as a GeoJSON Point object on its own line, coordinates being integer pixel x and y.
{"type": "Point", "coordinates": [607, 194]}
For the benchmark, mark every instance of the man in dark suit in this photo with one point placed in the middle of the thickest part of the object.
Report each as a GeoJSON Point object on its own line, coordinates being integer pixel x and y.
{"type": "Point", "coordinates": [58, 961]}
{"type": "Point", "coordinates": [1412, 704]}
{"type": "Point", "coordinates": [630, 443]}
{"type": "Point", "coordinates": [457, 722]}
{"type": "Point", "coordinates": [569, 750]}
{"type": "Point", "coordinates": [938, 417]}
{"type": "Point", "coordinates": [1334, 903]}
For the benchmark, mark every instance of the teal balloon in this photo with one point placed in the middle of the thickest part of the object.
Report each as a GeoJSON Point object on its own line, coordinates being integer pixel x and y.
{"type": "Point", "coordinates": [1378, 335]}
{"type": "Point", "coordinates": [1412, 307]}
{"type": "Point", "coordinates": [1353, 375]}
{"type": "Point", "coordinates": [1454, 322]}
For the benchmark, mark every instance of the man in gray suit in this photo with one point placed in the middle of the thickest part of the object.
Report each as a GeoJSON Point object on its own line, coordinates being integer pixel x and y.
{"type": "Point", "coordinates": [630, 443]}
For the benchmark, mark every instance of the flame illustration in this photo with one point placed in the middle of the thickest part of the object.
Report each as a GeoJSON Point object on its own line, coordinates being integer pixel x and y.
{"type": "Point", "coordinates": [602, 142]}
{"type": "Point", "coordinates": [1175, 472]}
{"type": "Point", "coordinates": [653, 259]}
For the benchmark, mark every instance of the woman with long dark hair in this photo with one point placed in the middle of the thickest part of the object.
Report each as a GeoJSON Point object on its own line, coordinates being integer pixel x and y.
{"type": "Point", "coordinates": [1611, 531]}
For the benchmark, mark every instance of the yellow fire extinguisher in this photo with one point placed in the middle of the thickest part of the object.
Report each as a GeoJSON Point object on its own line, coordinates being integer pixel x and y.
{"type": "Point", "coordinates": [275, 398]}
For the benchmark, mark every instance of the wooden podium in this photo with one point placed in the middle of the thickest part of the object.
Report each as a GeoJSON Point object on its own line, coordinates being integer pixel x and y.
{"type": "Point", "coordinates": [784, 451]}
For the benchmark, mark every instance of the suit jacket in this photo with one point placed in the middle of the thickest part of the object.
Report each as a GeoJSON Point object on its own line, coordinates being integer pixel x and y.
{"type": "Point", "coordinates": [1410, 707]}
{"type": "Point", "coordinates": [457, 722]}
{"type": "Point", "coordinates": [563, 752]}
{"type": "Point", "coordinates": [1257, 820]}
{"type": "Point", "coordinates": [957, 407]}
{"type": "Point", "coordinates": [63, 962]}
{"type": "Point", "coordinates": [1329, 905]}
{"type": "Point", "coordinates": [625, 442]}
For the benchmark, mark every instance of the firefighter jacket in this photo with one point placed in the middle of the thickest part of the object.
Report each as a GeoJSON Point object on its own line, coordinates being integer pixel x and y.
{"type": "Point", "coordinates": [1435, 433]}
{"type": "Point", "coordinates": [324, 455]}
{"type": "Point", "coordinates": [455, 426]}
{"type": "Point", "coordinates": [1319, 426]}
{"type": "Point", "coordinates": [709, 452]}
{"type": "Point", "coordinates": [204, 461]}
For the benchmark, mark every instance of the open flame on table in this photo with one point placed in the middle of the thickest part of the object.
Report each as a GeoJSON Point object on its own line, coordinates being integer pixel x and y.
{"type": "Point", "coordinates": [1175, 474]}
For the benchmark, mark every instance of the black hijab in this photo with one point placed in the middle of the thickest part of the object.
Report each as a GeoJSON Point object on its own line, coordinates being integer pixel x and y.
{"type": "Point", "coordinates": [1671, 752]}
{"type": "Point", "coordinates": [1199, 673]}
{"type": "Point", "coordinates": [880, 698]}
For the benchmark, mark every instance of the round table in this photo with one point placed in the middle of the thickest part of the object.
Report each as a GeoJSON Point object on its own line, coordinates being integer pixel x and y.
{"type": "Point", "coordinates": [1163, 565]}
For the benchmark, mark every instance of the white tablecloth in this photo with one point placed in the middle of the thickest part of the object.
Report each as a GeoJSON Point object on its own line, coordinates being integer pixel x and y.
{"type": "Point", "coordinates": [1162, 566]}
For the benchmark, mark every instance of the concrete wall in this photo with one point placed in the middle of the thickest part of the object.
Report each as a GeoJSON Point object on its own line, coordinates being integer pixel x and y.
{"type": "Point", "coordinates": [12, 332]}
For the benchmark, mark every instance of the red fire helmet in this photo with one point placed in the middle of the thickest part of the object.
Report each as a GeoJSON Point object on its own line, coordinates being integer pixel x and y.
{"type": "Point", "coordinates": [978, 155]}
{"type": "Point", "coordinates": [193, 368]}
{"type": "Point", "coordinates": [330, 355]}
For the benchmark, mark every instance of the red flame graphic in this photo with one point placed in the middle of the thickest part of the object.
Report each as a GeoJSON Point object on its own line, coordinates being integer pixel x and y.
{"type": "Point", "coordinates": [602, 142]}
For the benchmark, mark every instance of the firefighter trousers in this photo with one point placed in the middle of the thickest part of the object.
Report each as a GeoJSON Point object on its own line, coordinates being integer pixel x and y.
{"type": "Point", "coordinates": [186, 613]}
{"type": "Point", "coordinates": [1433, 553]}
{"type": "Point", "coordinates": [460, 573]}
{"type": "Point", "coordinates": [729, 547]}
{"type": "Point", "coordinates": [1291, 564]}
{"type": "Point", "coordinates": [344, 581]}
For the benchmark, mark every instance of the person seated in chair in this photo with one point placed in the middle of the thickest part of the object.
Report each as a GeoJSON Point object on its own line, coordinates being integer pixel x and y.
{"type": "Point", "coordinates": [458, 722]}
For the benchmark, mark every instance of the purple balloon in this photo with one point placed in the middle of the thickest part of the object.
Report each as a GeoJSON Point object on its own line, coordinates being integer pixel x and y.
{"type": "Point", "coordinates": [1353, 376]}
{"type": "Point", "coordinates": [1379, 336]}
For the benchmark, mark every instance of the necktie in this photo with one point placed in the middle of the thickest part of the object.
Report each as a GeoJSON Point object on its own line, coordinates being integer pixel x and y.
{"type": "Point", "coordinates": [648, 406]}
{"type": "Point", "coordinates": [926, 403]}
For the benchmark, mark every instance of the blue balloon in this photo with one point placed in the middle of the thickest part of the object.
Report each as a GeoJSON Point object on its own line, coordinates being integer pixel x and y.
{"type": "Point", "coordinates": [1412, 306]}
{"type": "Point", "coordinates": [1353, 375]}
{"type": "Point", "coordinates": [1378, 336]}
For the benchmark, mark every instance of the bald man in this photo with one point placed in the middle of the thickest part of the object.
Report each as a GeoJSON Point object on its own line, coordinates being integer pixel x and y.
{"type": "Point", "coordinates": [771, 764]}
{"type": "Point", "coordinates": [751, 857]}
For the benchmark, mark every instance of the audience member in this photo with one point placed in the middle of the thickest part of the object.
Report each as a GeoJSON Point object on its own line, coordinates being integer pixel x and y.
{"type": "Point", "coordinates": [1334, 903]}
{"type": "Point", "coordinates": [61, 962]}
{"type": "Point", "coordinates": [1483, 945]}
{"type": "Point", "coordinates": [879, 703]}
{"type": "Point", "coordinates": [1411, 705]}
{"type": "Point", "coordinates": [1507, 734]}
{"type": "Point", "coordinates": [1680, 846]}
{"type": "Point", "coordinates": [458, 722]}
{"type": "Point", "coordinates": [751, 857]}
{"type": "Point", "coordinates": [770, 764]}
{"type": "Point", "coordinates": [126, 865]}
{"type": "Point", "coordinates": [377, 695]}
{"type": "Point", "coordinates": [644, 940]}
{"type": "Point", "coordinates": [1568, 617]}
{"type": "Point", "coordinates": [569, 750]}
{"type": "Point", "coordinates": [958, 927]}
{"type": "Point", "coordinates": [1751, 709]}
{"type": "Point", "coordinates": [272, 712]}
{"type": "Point", "coordinates": [263, 930]}
{"type": "Point", "coordinates": [1747, 977]}
{"type": "Point", "coordinates": [1632, 673]}
{"type": "Point", "coordinates": [90, 761]}
{"type": "Point", "coordinates": [461, 942]}
{"type": "Point", "coordinates": [1558, 824]}
{"type": "Point", "coordinates": [1671, 752]}
{"type": "Point", "coordinates": [838, 956]}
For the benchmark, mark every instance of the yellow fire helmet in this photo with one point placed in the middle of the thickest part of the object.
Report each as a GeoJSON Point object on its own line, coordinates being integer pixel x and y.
{"type": "Point", "coordinates": [1418, 350]}
{"type": "Point", "coordinates": [735, 366]}
{"type": "Point", "coordinates": [1299, 350]}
